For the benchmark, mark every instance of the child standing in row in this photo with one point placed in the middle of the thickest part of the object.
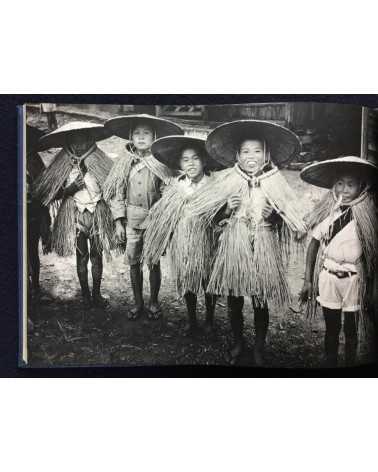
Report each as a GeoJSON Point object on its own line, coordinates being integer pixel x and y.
{"type": "Point", "coordinates": [76, 176]}
{"type": "Point", "coordinates": [134, 185]}
{"type": "Point", "coordinates": [172, 227]}
{"type": "Point", "coordinates": [342, 256]}
{"type": "Point", "coordinates": [261, 219]}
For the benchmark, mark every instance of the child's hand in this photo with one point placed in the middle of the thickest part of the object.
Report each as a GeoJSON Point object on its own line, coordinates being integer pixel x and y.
{"type": "Point", "coordinates": [79, 182]}
{"type": "Point", "coordinates": [120, 231]}
{"type": "Point", "coordinates": [77, 185]}
{"type": "Point", "coordinates": [233, 203]}
{"type": "Point", "coordinates": [305, 294]}
{"type": "Point", "coordinates": [267, 211]}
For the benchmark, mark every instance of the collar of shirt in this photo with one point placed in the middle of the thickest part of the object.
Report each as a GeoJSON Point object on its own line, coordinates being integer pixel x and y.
{"type": "Point", "coordinates": [189, 184]}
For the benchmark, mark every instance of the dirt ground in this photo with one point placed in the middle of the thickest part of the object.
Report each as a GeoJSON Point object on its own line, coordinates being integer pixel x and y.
{"type": "Point", "coordinates": [63, 333]}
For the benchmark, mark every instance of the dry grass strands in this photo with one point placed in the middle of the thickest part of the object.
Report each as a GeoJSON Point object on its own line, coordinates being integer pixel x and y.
{"type": "Point", "coordinates": [103, 229]}
{"type": "Point", "coordinates": [162, 222]}
{"type": "Point", "coordinates": [52, 179]}
{"type": "Point", "coordinates": [118, 178]}
{"type": "Point", "coordinates": [172, 229]}
{"type": "Point", "coordinates": [63, 240]}
{"type": "Point", "coordinates": [191, 253]}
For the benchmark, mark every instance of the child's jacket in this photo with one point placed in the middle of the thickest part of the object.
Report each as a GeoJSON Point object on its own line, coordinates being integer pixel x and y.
{"type": "Point", "coordinates": [133, 186]}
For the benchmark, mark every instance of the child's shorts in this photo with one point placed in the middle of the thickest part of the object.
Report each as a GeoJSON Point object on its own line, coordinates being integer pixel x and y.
{"type": "Point", "coordinates": [134, 245]}
{"type": "Point", "coordinates": [84, 222]}
{"type": "Point", "coordinates": [339, 293]}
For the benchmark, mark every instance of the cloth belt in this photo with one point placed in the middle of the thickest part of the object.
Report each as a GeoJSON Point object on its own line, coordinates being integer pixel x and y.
{"type": "Point", "coordinates": [339, 273]}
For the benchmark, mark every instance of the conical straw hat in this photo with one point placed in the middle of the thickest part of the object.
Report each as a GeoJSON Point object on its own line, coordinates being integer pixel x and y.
{"type": "Point", "coordinates": [122, 126]}
{"type": "Point", "coordinates": [63, 135]}
{"type": "Point", "coordinates": [224, 141]}
{"type": "Point", "coordinates": [168, 150]}
{"type": "Point", "coordinates": [324, 174]}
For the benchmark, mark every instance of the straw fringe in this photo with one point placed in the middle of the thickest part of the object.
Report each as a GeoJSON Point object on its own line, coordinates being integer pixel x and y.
{"type": "Point", "coordinates": [103, 230]}
{"type": "Point", "coordinates": [161, 223]}
{"type": "Point", "coordinates": [64, 229]}
{"type": "Point", "coordinates": [284, 201]}
{"type": "Point", "coordinates": [172, 229]}
{"type": "Point", "coordinates": [209, 200]}
{"type": "Point", "coordinates": [249, 261]}
{"type": "Point", "coordinates": [250, 256]}
{"type": "Point", "coordinates": [118, 178]}
{"type": "Point", "coordinates": [54, 177]}
{"type": "Point", "coordinates": [99, 165]}
{"type": "Point", "coordinates": [191, 254]}
{"type": "Point", "coordinates": [63, 240]}
{"type": "Point", "coordinates": [321, 211]}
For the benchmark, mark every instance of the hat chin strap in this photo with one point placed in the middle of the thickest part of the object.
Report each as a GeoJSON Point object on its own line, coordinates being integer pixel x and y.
{"type": "Point", "coordinates": [73, 155]}
{"type": "Point", "coordinates": [267, 160]}
{"type": "Point", "coordinates": [360, 198]}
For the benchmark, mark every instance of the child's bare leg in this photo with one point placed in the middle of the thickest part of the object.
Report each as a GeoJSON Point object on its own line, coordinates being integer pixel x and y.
{"type": "Point", "coordinates": [82, 258]}
{"type": "Point", "coordinates": [97, 269]}
{"type": "Point", "coordinates": [235, 312]}
{"type": "Point", "coordinates": [136, 276]}
{"type": "Point", "coordinates": [155, 283]}
{"type": "Point", "coordinates": [191, 306]}
{"type": "Point", "coordinates": [210, 301]}
{"type": "Point", "coordinates": [331, 341]}
{"type": "Point", "coordinates": [351, 337]}
{"type": "Point", "coordinates": [261, 312]}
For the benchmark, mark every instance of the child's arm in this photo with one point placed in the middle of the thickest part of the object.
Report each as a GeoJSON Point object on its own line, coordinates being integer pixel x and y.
{"type": "Point", "coordinates": [225, 212]}
{"type": "Point", "coordinates": [312, 251]}
{"type": "Point", "coordinates": [71, 189]}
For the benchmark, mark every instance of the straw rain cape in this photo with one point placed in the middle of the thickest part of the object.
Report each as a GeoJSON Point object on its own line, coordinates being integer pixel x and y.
{"type": "Point", "coordinates": [47, 189]}
{"type": "Point", "coordinates": [52, 180]}
{"type": "Point", "coordinates": [364, 213]}
{"type": "Point", "coordinates": [190, 245]}
{"type": "Point", "coordinates": [118, 179]}
{"type": "Point", "coordinates": [250, 255]}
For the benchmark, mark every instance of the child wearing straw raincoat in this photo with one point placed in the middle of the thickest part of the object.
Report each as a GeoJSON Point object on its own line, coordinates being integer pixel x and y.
{"type": "Point", "coordinates": [262, 218]}
{"type": "Point", "coordinates": [134, 185]}
{"type": "Point", "coordinates": [76, 177]}
{"type": "Point", "coordinates": [170, 226]}
{"type": "Point", "coordinates": [341, 258]}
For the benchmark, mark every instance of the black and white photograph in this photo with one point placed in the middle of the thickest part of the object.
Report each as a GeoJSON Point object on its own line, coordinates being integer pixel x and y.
{"type": "Point", "coordinates": [211, 235]}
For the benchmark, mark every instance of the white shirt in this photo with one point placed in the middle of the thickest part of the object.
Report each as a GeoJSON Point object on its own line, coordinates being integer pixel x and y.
{"type": "Point", "coordinates": [191, 187]}
{"type": "Point", "coordinates": [88, 196]}
{"type": "Point", "coordinates": [344, 249]}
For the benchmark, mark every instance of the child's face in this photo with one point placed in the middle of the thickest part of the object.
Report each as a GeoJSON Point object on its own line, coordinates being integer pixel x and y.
{"type": "Point", "coordinates": [191, 164]}
{"type": "Point", "coordinates": [80, 144]}
{"type": "Point", "coordinates": [251, 155]}
{"type": "Point", "coordinates": [348, 187]}
{"type": "Point", "coordinates": [142, 137]}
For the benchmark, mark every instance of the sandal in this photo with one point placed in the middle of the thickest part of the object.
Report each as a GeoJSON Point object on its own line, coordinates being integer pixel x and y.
{"type": "Point", "coordinates": [154, 314]}
{"type": "Point", "coordinates": [134, 313]}
{"type": "Point", "coordinates": [100, 302]}
{"type": "Point", "coordinates": [234, 355]}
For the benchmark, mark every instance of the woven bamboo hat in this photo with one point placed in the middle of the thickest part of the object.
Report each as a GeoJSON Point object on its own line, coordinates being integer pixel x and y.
{"type": "Point", "coordinates": [122, 126]}
{"type": "Point", "coordinates": [168, 150]}
{"type": "Point", "coordinates": [324, 174]}
{"type": "Point", "coordinates": [224, 141]}
{"type": "Point", "coordinates": [64, 134]}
